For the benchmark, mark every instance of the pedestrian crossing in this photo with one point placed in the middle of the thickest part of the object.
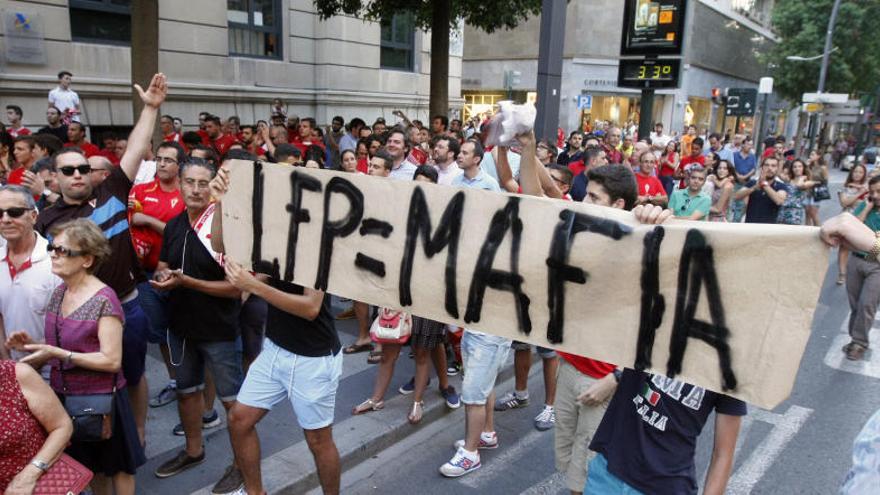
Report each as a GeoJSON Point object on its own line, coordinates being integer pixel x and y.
{"type": "Point", "coordinates": [835, 358]}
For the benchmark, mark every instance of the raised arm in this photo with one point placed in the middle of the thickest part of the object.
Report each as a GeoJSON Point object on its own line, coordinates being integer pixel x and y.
{"type": "Point", "coordinates": [139, 139]}
{"type": "Point", "coordinates": [505, 175]}
{"type": "Point", "coordinates": [528, 170]}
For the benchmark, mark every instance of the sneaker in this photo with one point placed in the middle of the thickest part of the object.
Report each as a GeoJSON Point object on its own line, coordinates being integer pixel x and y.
{"type": "Point", "coordinates": [453, 369]}
{"type": "Point", "coordinates": [485, 443]}
{"type": "Point", "coordinates": [410, 386]}
{"type": "Point", "coordinates": [460, 465]}
{"type": "Point", "coordinates": [231, 482]}
{"type": "Point", "coordinates": [165, 396]}
{"type": "Point", "coordinates": [510, 401]}
{"type": "Point", "coordinates": [209, 422]}
{"type": "Point", "coordinates": [546, 419]}
{"type": "Point", "coordinates": [181, 462]}
{"type": "Point", "coordinates": [453, 401]}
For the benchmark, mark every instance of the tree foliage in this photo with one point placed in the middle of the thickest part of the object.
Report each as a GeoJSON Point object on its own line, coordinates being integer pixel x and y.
{"type": "Point", "coordinates": [801, 24]}
{"type": "Point", "coordinates": [487, 15]}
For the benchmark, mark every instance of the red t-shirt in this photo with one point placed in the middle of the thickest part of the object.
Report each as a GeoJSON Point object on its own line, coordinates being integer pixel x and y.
{"type": "Point", "coordinates": [221, 144]}
{"type": "Point", "coordinates": [88, 148]}
{"type": "Point", "coordinates": [649, 185]}
{"type": "Point", "coordinates": [15, 177]}
{"type": "Point", "coordinates": [587, 366]}
{"type": "Point", "coordinates": [613, 154]}
{"type": "Point", "coordinates": [577, 167]}
{"type": "Point", "coordinates": [689, 160]}
{"type": "Point", "coordinates": [21, 131]}
{"type": "Point", "coordinates": [363, 166]}
{"type": "Point", "coordinates": [174, 137]}
{"type": "Point", "coordinates": [110, 155]}
{"type": "Point", "coordinates": [151, 200]}
{"type": "Point", "coordinates": [302, 146]}
{"type": "Point", "coordinates": [667, 165]}
{"type": "Point", "coordinates": [206, 139]}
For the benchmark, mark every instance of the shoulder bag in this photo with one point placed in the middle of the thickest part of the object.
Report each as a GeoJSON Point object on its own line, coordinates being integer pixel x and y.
{"type": "Point", "coordinates": [391, 327]}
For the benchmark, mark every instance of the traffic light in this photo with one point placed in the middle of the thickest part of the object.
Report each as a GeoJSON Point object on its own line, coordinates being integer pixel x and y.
{"type": "Point", "coordinates": [719, 96]}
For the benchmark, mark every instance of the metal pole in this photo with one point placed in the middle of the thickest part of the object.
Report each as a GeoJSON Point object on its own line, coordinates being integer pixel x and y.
{"type": "Point", "coordinates": [823, 71]}
{"type": "Point", "coordinates": [550, 67]}
{"type": "Point", "coordinates": [646, 110]}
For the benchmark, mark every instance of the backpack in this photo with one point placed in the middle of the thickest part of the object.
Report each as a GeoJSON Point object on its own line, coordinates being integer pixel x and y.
{"type": "Point", "coordinates": [391, 327]}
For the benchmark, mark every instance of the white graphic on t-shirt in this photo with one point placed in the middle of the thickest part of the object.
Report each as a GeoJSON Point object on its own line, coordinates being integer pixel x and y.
{"type": "Point", "coordinates": [648, 399]}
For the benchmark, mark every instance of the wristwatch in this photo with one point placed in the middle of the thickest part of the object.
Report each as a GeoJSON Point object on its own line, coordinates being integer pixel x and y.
{"type": "Point", "coordinates": [42, 466]}
{"type": "Point", "coordinates": [617, 374]}
{"type": "Point", "coordinates": [875, 249]}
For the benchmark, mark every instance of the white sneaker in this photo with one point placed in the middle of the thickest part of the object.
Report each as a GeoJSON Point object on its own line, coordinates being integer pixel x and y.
{"type": "Point", "coordinates": [546, 419]}
{"type": "Point", "coordinates": [486, 443]}
{"type": "Point", "coordinates": [460, 465]}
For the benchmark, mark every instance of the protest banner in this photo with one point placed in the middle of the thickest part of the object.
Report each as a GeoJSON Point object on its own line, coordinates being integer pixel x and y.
{"type": "Point", "coordinates": [725, 307]}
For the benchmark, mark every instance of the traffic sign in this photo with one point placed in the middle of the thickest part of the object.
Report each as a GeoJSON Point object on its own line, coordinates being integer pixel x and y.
{"type": "Point", "coordinates": [585, 102]}
{"type": "Point", "coordinates": [825, 98]}
{"type": "Point", "coordinates": [741, 102]}
{"type": "Point", "coordinates": [812, 107]}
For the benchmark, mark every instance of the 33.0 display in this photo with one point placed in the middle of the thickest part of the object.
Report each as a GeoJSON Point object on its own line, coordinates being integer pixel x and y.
{"type": "Point", "coordinates": [647, 74]}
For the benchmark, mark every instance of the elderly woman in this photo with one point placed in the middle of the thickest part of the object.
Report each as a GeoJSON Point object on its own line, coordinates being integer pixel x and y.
{"type": "Point", "coordinates": [34, 431]}
{"type": "Point", "coordinates": [84, 349]}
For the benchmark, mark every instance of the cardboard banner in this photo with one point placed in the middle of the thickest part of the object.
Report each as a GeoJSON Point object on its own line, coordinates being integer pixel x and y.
{"type": "Point", "coordinates": [725, 307]}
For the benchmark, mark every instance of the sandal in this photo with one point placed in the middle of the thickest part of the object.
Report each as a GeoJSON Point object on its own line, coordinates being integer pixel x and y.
{"type": "Point", "coordinates": [415, 416]}
{"type": "Point", "coordinates": [356, 348]}
{"type": "Point", "coordinates": [368, 406]}
{"type": "Point", "coordinates": [375, 357]}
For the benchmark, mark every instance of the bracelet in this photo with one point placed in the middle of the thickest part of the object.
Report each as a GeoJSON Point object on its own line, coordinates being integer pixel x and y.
{"type": "Point", "coordinates": [874, 254]}
{"type": "Point", "coordinates": [68, 358]}
{"type": "Point", "coordinates": [41, 465]}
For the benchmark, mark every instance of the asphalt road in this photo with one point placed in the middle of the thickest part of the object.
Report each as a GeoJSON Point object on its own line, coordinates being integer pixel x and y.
{"type": "Point", "coordinates": [801, 447]}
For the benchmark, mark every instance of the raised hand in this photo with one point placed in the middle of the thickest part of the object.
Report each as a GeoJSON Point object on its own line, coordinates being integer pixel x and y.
{"type": "Point", "coordinates": [156, 93]}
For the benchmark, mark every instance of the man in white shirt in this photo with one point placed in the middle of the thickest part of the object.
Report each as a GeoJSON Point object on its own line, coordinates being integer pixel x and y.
{"type": "Point", "coordinates": [398, 147]}
{"type": "Point", "coordinates": [445, 154]}
{"type": "Point", "coordinates": [65, 99]}
{"type": "Point", "coordinates": [26, 278]}
{"type": "Point", "coordinates": [659, 140]}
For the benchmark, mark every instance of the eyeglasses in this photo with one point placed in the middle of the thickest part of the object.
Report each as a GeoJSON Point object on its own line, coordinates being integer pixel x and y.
{"type": "Point", "coordinates": [14, 212]}
{"type": "Point", "coordinates": [63, 251]}
{"type": "Point", "coordinates": [82, 169]}
{"type": "Point", "coordinates": [97, 170]}
{"type": "Point", "coordinates": [166, 159]}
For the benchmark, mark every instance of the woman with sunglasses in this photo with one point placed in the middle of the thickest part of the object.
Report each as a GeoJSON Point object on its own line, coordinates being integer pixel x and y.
{"type": "Point", "coordinates": [84, 349]}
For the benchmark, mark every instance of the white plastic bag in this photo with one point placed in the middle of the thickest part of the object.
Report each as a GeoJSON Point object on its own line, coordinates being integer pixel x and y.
{"type": "Point", "coordinates": [510, 121]}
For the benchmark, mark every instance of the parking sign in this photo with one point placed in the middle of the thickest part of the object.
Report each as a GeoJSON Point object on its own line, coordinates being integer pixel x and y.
{"type": "Point", "coordinates": [585, 102]}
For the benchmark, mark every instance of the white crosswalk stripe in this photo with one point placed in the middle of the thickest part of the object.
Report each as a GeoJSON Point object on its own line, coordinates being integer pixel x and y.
{"type": "Point", "coordinates": [835, 358]}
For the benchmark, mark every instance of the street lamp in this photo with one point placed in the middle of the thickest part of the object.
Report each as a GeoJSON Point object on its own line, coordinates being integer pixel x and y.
{"type": "Point", "coordinates": [798, 58]}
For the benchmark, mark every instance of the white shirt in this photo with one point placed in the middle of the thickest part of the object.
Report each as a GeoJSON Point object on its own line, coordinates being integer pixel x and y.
{"type": "Point", "coordinates": [63, 99]}
{"type": "Point", "coordinates": [405, 171]}
{"type": "Point", "coordinates": [23, 301]}
{"type": "Point", "coordinates": [445, 176]}
{"type": "Point", "coordinates": [146, 172]}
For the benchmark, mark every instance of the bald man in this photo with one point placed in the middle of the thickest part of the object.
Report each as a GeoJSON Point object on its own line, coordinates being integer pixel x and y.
{"type": "Point", "coordinates": [101, 168]}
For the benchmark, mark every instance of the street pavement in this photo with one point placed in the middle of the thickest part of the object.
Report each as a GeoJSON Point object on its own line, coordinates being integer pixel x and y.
{"type": "Point", "coordinates": [801, 447]}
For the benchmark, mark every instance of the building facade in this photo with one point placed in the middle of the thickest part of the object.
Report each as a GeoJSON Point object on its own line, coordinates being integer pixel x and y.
{"type": "Point", "coordinates": [226, 57]}
{"type": "Point", "coordinates": [722, 41]}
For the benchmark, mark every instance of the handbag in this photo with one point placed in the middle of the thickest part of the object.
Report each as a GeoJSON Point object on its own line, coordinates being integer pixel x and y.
{"type": "Point", "coordinates": [65, 477]}
{"type": "Point", "coordinates": [391, 327]}
{"type": "Point", "coordinates": [821, 192]}
{"type": "Point", "coordinates": [92, 414]}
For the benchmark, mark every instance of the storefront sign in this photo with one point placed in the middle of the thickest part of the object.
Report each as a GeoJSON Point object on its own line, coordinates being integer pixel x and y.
{"type": "Point", "coordinates": [696, 301]}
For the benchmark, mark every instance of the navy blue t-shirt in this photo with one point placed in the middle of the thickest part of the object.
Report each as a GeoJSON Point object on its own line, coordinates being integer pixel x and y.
{"type": "Point", "coordinates": [762, 209]}
{"type": "Point", "coordinates": [649, 432]}
{"type": "Point", "coordinates": [578, 190]}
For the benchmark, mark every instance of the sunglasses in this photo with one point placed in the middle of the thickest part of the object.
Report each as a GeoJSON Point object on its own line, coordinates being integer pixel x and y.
{"type": "Point", "coordinates": [686, 205]}
{"type": "Point", "coordinates": [82, 169]}
{"type": "Point", "coordinates": [14, 212]}
{"type": "Point", "coordinates": [63, 251]}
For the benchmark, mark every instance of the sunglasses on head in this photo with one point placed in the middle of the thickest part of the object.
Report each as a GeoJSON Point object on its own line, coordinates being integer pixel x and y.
{"type": "Point", "coordinates": [63, 251]}
{"type": "Point", "coordinates": [70, 169]}
{"type": "Point", "coordinates": [14, 212]}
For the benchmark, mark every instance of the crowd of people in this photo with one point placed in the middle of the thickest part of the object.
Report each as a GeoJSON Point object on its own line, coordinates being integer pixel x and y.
{"type": "Point", "coordinates": [110, 249]}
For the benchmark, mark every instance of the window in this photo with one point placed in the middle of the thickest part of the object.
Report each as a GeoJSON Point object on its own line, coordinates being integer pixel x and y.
{"type": "Point", "coordinates": [398, 42]}
{"type": "Point", "coordinates": [102, 21]}
{"type": "Point", "coordinates": [254, 28]}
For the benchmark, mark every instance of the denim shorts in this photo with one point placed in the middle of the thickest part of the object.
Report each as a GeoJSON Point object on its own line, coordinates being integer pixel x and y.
{"type": "Point", "coordinates": [483, 356]}
{"type": "Point", "coordinates": [134, 342]}
{"type": "Point", "coordinates": [600, 480]}
{"type": "Point", "coordinates": [309, 383]}
{"type": "Point", "coordinates": [544, 352]}
{"type": "Point", "coordinates": [189, 357]}
{"type": "Point", "coordinates": [155, 305]}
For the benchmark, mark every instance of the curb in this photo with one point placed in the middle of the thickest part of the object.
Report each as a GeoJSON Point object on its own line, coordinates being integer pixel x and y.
{"type": "Point", "coordinates": [358, 438]}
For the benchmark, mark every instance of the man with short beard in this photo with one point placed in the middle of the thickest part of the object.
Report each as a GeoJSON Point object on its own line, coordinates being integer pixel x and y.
{"type": "Point", "coordinates": [166, 125]}
{"type": "Point", "coordinates": [445, 155]}
{"type": "Point", "coordinates": [612, 146]}
{"type": "Point", "coordinates": [397, 147]}
{"type": "Point", "coordinates": [219, 141]}
{"type": "Point", "coordinates": [766, 193]}
{"type": "Point", "coordinates": [249, 140]}
{"type": "Point", "coordinates": [55, 127]}
{"type": "Point", "coordinates": [76, 136]}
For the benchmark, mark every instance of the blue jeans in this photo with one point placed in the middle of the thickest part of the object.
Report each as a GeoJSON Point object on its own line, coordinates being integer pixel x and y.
{"type": "Point", "coordinates": [190, 358]}
{"type": "Point", "coordinates": [155, 305]}
{"type": "Point", "coordinates": [134, 342]}
{"type": "Point", "coordinates": [600, 480]}
{"type": "Point", "coordinates": [483, 357]}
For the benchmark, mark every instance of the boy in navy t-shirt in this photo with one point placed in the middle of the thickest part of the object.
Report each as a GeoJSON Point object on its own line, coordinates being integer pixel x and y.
{"type": "Point", "coordinates": [648, 436]}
